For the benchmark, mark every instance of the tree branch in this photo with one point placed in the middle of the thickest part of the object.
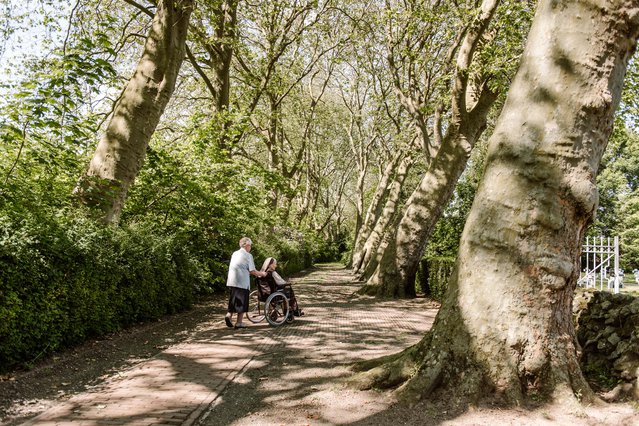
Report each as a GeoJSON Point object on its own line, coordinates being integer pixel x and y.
{"type": "Point", "coordinates": [465, 57]}
{"type": "Point", "coordinates": [142, 8]}
{"type": "Point", "coordinates": [201, 72]}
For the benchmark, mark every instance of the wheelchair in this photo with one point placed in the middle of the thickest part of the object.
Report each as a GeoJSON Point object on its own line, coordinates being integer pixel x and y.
{"type": "Point", "coordinates": [272, 304]}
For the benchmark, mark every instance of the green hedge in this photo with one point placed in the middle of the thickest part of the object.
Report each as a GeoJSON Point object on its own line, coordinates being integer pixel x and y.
{"type": "Point", "coordinates": [65, 280]}
{"type": "Point", "coordinates": [293, 250]}
{"type": "Point", "coordinates": [433, 276]}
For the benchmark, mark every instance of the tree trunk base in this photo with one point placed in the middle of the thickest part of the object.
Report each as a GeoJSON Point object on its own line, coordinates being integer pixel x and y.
{"type": "Point", "coordinates": [422, 371]}
{"type": "Point", "coordinates": [385, 372]}
{"type": "Point", "coordinates": [368, 290]}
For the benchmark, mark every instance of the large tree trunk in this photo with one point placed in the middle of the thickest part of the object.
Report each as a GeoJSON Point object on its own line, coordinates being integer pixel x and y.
{"type": "Point", "coordinates": [374, 210]}
{"type": "Point", "coordinates": [505, 326]}
{"type": "Point", "coordinates": [389, 217]}
{"type": "Point", "coordinates": [121, 151]}
{"type": "Point", "coordinates": [395, 274]}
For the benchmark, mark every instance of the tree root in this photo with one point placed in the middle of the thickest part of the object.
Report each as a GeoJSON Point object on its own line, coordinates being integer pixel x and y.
{"type": "Point", "coordinates": [368, 290]}
{"type": "Point", "coordinates": [421, 385]}
{"type": "Point", "coordinates": [623, 391]}
{"type": "Point", "coordinates": [407, 371]}
{"type": "Point", "coordinates": [439, 363]}
{"type": "Point", "coordinates": [419, 371]}
{"type": "Point", "coordinates": [385, 372]}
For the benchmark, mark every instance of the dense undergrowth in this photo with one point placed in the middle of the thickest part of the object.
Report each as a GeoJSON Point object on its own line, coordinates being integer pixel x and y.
{"type": "Point", "coordinates": [64, 277]}
{"type": "Point", "coordinates": [433, 275]}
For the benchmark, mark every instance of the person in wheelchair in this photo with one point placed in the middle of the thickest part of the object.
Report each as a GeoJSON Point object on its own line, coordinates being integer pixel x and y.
{"type": "Point", "coordinates": [276, 282]}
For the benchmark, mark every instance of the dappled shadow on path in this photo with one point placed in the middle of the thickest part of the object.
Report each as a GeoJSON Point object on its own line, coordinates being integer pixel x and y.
{"type": "Point", "coordinates": [278, 374]}
{"type": "Point", "coordinates": [271, 376]}
{"type": "Point", "coordinates": [296, 375]}
{"type": "Point", "coordinates": [297, 369]}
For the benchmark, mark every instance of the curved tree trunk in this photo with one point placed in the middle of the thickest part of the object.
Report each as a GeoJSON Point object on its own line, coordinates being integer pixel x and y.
{"type": "Point", "coordinates": [396, 270]}
{"type": "Point", "coordinates": [374, 211]}
{"type": "Point", "coordinates": [121, 151]}
{"type": "Point", "coordinates": [395, 274]}
{"type": "Point", "coordinates": [506, 323]}
{"type": "Point", "coordinates": [359, 198]}
{"type": "Point", "coordinates": [387, 218]}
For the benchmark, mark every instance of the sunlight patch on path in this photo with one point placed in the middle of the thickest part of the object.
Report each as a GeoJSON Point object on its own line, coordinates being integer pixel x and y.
{"type": "Point", "coordinates": [298, 380]}
{"type": "Point", "coordinates": [287, 371]}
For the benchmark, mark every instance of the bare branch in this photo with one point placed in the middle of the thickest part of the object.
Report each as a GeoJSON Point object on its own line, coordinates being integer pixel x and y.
{"type": "Point", "coordinates": [200, 71]}
{"type": "Point", "coordinates": [140, 7]}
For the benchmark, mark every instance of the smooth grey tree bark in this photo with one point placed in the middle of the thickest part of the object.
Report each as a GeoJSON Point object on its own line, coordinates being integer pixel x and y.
{"type": "Point", "coordinates": [505, 327]}
{"type": "Point", "coordinates": [388, 218]}
{"type": "Point", "coordinates": [374, 211]}
{"type": "Point", "coordinates": [121, 151]}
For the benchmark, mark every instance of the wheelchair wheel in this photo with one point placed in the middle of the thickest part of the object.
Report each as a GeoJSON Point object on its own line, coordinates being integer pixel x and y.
{"type": "Point", "coordinates": [276, 309]}
{"type": "Point", "coordinates": [255, 313]}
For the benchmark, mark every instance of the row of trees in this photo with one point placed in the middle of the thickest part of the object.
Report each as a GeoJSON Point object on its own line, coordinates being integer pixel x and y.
{"type": "Point", "coordinates": [505, 325]}
{"type": "Point", "coordinates": [342, 123]}
{"type": "Point", "coordinates": [262, 87]}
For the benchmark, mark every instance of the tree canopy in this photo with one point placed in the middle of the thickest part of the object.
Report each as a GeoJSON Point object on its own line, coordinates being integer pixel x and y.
{"type": "Point", "coordinates": [147, 136]}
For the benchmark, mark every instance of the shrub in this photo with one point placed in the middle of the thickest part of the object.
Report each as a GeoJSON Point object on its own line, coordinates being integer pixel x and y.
{"type": "Point", "coordinates": [288, 246]}
{"type": "Point", "coordinates": [64, 280]}
{"type": "Point", "coordinates": [433, 276]}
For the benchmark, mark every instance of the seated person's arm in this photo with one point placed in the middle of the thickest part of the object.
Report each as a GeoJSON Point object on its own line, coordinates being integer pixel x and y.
{"type": "Point", "coordinates": [278, 280]}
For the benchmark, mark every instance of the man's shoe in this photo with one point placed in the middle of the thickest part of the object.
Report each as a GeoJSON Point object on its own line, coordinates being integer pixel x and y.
{"type": "Point", "coordinates": [240, 325]}
{"type": "Point", "coordinates": [228, 322]}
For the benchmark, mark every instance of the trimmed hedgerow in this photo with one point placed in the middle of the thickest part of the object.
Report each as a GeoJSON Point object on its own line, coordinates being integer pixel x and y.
{"type": "Point", "coordinates": [65, 280]}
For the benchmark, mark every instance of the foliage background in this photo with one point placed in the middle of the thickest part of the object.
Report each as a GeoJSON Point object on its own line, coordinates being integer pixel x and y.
{"type": "Point", "coordinates": [310, 92]}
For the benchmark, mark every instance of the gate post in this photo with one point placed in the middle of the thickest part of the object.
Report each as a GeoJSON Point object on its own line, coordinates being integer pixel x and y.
{"type": "Point", "coordinates": [617, 276]}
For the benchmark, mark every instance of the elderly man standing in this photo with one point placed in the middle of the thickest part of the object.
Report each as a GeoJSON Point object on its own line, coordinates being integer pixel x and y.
{"type": "Point", "coordinates": [239, 282]}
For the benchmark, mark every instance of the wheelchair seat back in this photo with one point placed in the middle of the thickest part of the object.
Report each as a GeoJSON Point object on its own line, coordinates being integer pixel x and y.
{"type": "Point", "coordinates": [265, 287]}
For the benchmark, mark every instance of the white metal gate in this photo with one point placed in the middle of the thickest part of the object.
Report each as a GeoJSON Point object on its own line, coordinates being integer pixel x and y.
{"type": "Point", "coordinates": [598, 256]}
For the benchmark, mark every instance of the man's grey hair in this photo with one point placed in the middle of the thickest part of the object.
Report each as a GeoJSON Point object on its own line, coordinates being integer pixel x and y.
{"type": "Point", "coordinates": [245, 242]}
